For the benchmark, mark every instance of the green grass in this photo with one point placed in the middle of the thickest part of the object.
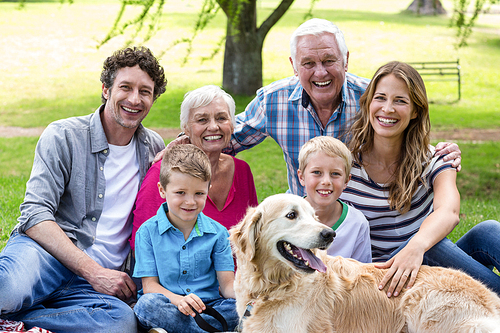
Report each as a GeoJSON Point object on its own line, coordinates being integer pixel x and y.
{"type": "Point", "coordinates": [477, 181]}
{"type": "Point", "coordinates": [50, 67]}
{"type": "Point", "coordinates": [50, 70]}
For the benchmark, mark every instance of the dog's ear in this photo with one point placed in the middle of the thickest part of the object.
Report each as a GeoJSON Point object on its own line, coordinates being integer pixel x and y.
{"type": "Point", "coordinates": [245, 234]}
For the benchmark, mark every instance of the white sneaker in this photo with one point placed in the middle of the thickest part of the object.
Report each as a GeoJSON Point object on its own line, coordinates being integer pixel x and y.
{"type": "Point", "coordinates": [157, 330]}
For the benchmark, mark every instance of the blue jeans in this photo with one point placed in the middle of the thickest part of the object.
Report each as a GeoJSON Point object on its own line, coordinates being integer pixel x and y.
{"type": "Point", "coordinates": [476, 253]}
{"type": "Point", "coordinates": [37, 289]}
{"type": "Point", "coordinates": [155, 310]}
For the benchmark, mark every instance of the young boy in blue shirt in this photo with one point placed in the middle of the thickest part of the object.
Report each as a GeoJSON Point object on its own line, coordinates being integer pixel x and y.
{"type": "Point", "coordinates": [184, 257]}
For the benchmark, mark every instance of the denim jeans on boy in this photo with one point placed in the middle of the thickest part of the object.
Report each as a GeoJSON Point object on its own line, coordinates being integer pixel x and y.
{"type": "Point", "coordinates": [476, 253]}
{"type": "Point", "coordinates": [37, 289]}
{"type": "Point", "coordinates": [155, 310]}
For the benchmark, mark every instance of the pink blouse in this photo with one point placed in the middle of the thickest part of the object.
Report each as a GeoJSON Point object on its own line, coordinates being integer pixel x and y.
{"type": "Point", "coordinates": [241, 195]}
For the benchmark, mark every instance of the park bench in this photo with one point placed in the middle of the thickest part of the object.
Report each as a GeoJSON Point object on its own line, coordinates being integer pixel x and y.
{"type": "Point", "coordinates": [439, 71]}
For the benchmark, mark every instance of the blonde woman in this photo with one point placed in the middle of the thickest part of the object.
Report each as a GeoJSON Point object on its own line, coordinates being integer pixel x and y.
{"type": "Point", "coordinates": [408, 194]}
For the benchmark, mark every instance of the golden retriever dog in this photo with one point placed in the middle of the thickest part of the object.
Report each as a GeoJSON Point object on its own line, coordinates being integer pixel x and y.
{"type": "Point", "coordinates": [289, 285]}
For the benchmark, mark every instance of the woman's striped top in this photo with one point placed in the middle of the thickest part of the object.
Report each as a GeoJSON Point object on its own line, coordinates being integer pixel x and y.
{"type": "Point", "coordinates": [389, 228]}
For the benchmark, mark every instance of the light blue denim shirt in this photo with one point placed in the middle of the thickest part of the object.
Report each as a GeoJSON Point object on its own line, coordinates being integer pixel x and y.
{"type": "Point", "coordinates": [183, 266]}
{"type": "Point", "coordinates": [67, 183]}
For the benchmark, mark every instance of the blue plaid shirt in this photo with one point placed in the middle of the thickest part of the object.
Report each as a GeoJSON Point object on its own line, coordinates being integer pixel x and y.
{"type": "Point", "coordinates": [282, 111]}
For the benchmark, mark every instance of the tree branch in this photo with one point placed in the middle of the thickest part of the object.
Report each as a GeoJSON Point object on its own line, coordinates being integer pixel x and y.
{"type": "Point", "coordinates": [226, 7]}
{"type": "Point", "coordinates": [273, 18]}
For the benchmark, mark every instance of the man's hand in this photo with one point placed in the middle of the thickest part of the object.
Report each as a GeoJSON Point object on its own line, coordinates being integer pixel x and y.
{"type": "Point", "coordinates": [453, 153]}
{"type": "Point", "coordinates": [112, 282]}
{"type": "Point", "coordinates": [51, 237]}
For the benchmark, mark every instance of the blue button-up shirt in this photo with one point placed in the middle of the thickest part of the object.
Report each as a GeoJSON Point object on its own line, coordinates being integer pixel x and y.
{"type": "Point", "coordinates": [67, 183]}
{"type": "Point", "coordinates": [183, 266]}
{"type": "Point", "coordinates": [282, 111]}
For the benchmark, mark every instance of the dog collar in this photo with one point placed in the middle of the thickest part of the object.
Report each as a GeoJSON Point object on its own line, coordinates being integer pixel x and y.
{"type": "Point", "coordinates": [248, 313]}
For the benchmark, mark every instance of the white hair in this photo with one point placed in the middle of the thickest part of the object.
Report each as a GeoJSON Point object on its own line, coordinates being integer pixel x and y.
{"type": "Point", "coordinates": [202, 97]}
{"type": "Point", "coordinates": [316, 27]}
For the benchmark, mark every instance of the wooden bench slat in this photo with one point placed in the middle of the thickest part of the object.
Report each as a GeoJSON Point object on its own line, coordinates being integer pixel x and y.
{"type": "Point", "coordinates": [439, 69]}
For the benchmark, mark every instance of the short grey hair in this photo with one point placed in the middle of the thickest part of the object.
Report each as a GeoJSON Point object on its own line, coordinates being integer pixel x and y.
{"type": "Point", "coordinates": [317, 27]}
{"type": "Point", "coordinates": [202, 97]}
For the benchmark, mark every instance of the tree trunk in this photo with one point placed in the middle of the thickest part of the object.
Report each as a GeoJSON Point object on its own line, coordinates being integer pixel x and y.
{"type": "Point", "coordinates": [242, 71]}
{"type": "Point", "coordinates": [427, 7]}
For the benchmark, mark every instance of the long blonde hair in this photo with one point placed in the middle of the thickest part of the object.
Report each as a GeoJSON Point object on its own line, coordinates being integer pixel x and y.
{"type": "Point", "coordinates": [415, 147]}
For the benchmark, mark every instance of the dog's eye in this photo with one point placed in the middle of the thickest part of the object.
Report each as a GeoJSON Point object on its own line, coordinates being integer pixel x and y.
{"type": "Point", "coordinates": [292, 215]}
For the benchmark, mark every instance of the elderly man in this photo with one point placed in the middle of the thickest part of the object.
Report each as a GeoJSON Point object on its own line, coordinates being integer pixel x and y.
{"type": "Point", "coordinates": [321, 99]}
{"type": "Point", "coordinates": [60, 269]}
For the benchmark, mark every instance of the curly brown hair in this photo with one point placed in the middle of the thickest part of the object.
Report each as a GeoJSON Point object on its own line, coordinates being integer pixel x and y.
{"type": "Point", "coordinates": [415, 150]}
{"type": "Point", "coordinates": [130, 57]}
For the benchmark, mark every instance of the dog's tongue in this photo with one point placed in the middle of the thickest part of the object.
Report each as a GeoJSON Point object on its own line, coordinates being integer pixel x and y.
{"type": "Point", "coordinates": [314, 262]}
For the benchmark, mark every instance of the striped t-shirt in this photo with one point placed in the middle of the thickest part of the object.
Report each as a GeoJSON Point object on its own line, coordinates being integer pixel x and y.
{"type": "Point", "coordinates": [389, 228]}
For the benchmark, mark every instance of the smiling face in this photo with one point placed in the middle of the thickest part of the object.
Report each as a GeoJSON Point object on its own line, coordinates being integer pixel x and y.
{"type": "Point", "coordinates": [321, 69]}
{"type": "Point", "coordinates": [186, 196]}
{"type": "Point", "coordinates": [391, 108]}
{"type": "Point", "coordinates": [324, 179]}
{"type": "Point", "coordinates": [210, 127]}
{"type": "Point", "coordinates": [129, 99]}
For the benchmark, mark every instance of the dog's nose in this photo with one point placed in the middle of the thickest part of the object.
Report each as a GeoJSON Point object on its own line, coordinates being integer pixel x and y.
{"type": "Point", "coordinates": [327, 235]}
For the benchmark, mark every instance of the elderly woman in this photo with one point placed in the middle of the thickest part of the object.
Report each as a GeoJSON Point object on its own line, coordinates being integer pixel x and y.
{"type": "Point", "coordinates": [207, 117]}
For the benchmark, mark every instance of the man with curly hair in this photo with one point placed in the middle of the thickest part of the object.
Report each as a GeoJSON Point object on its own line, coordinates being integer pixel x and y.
{"type": "Point", "coordinates": [62, 267]}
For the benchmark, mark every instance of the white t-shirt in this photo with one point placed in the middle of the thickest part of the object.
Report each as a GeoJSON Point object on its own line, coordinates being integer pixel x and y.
{"type": "Point", "coordinates": [353, 236]}
{"type": "Point", "coordinates": [121, 171]}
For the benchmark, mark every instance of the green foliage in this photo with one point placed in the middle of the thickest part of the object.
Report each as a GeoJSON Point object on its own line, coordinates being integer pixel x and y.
{"type": "Point", "coordinates": [22, 3]}
{"type": "Point", "coordinates": [463, 21]}
{"type": "Point", "coordinates": [148, 17]}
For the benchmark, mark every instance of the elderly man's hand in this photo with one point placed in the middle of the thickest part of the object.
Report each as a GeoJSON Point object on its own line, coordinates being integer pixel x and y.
{"type": "Point", "coordinates": [182, 139]}
{"type": "Point", "coordinates": [452, 152]}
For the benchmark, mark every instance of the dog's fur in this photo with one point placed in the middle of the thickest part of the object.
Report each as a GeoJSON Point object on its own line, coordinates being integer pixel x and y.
{"type": "Point", "coordinates": [291, 299]}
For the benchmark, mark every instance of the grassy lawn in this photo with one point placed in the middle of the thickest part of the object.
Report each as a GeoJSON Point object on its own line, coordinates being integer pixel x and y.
{"type": "Point", "coordinates": [51, 66]}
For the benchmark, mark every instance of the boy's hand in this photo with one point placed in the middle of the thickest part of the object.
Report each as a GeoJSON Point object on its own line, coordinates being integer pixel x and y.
{"type": "Point", "coordinates": [189, 304]}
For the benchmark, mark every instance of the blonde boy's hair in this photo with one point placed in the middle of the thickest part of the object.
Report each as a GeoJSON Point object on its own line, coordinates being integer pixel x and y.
{"type": "Point", "coordinates": [328, 145]}
{"type": "Point", "coordinates": [187, 159]}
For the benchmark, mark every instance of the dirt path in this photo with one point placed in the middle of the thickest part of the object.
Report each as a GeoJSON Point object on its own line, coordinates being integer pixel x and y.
{"type": "Point", "coordinates": [467, 134]}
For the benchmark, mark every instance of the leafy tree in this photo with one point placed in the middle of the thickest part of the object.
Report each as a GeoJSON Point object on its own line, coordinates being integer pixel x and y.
{"type": "Point", "coordinates": [242, 69]}
{"type": "Point", "coordinates": [463, 18]}
{"type": "Point", "coordinates": [464, 21]}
